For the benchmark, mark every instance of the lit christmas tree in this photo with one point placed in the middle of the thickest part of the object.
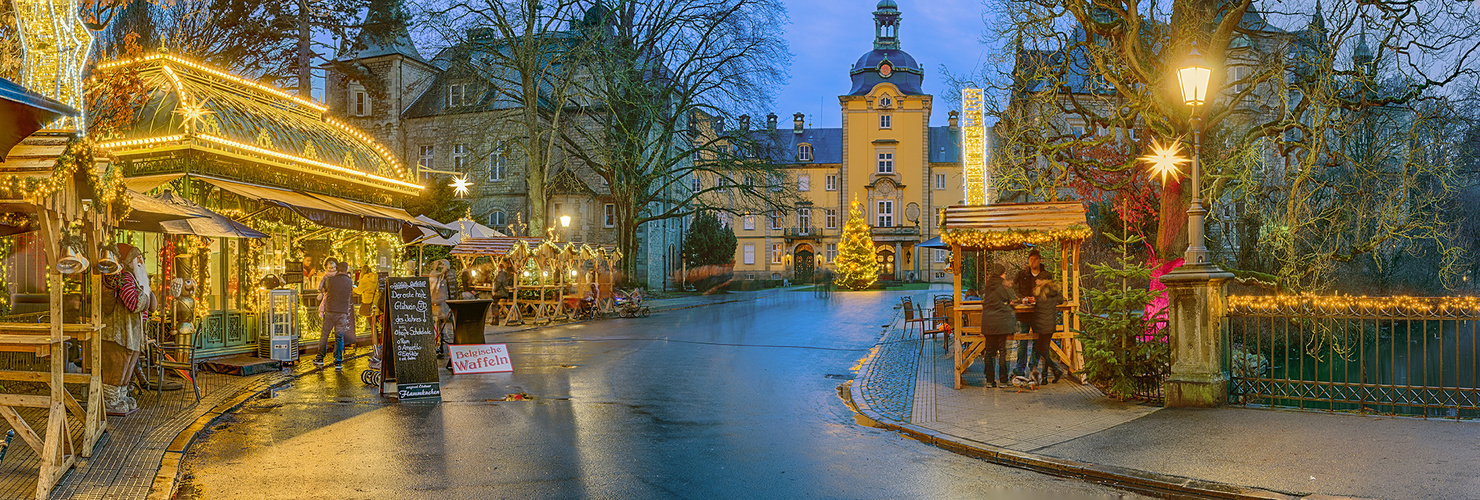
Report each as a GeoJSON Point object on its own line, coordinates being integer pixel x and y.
{"type": "Point", "coordinates": [855, 264]}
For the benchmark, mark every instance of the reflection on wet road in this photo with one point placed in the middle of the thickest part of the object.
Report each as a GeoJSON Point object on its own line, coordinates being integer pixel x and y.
{"type": "Point", "coordinates": [723, 401]}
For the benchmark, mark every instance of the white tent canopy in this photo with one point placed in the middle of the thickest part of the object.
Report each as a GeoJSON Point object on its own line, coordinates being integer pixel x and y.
{"type": "Point", "coordinates": [465, 228]}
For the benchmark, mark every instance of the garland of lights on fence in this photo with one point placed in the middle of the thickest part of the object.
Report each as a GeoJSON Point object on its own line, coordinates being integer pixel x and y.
{"type": "Point", "coordinates": [1347, 305]}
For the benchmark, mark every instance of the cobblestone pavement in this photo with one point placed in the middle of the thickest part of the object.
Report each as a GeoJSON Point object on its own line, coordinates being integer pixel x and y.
{"type": "Point", "coordinates": [890, 387]}
{"type": "Point", "coordinates": [128, 457]}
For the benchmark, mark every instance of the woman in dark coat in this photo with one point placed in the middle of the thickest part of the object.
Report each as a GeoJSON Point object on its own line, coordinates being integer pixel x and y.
{"type": "Point", "coordinates": [997, 322]}
{"type": "Point", "coordinates": [1048, 295]}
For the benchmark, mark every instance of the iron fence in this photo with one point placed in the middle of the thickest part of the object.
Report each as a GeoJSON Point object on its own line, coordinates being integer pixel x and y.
{"type": "Point", "coordinates": [1390, 355]}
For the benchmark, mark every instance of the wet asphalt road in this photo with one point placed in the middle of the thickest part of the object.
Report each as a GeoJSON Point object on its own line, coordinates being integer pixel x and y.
{"type": "Point", "coordinates": [725, 401]}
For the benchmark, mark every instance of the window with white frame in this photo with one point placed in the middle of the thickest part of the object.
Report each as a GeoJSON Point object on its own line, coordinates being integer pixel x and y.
{"type": "Point", "coordinates": [609, 215]}
{"type": "Point", "coordinates": [775, 253]}
{"type": "Point", "coordinates": [832, 217]}
{"type": "Point", "coordinates": [832, 252]}
{"type": "Point", "coordinates": [942, 255]}
{"type": "Point", "coordinates": [775, 220]}
{"type": "Point", "coordinates": [1237, 75]}
{"type": "Point", "coordinates": [885, 213]}
{"type": "Point", "coordinates": [1077, 131]}
{"type": "Point", "coordinates": [804, 218]}
{"type": "Point", "coordinates": [496, 219]}
{"type": "Point", "coordinates": [940, 181]}
{"type": "Point", "coordinates": [695, 184]}
{"type": "Point", "coordinates": [749, 253]}
{"type": "Point", "coordinates": [748, 222]}
{"type": "Point", "coordinates": [804, 182]}
{"type": "Point", "coordinates": [724, 219]}
{"type": "Point", "coordinates": [459, 157]}
{"type": "Point", "coordinates": [886, 121]}
{"type": "Point", "coordinates": [804, 152]}
{"type": "Point", "coordinates": [359, 100]}
{"type": "Point", "coordinates": [424, 157]}
{"type": "Point", "coordinates": [749, 181]}
{"type": "Point", "coordinates": [497, 163]}
{"type": "Point", "coordinates": [831, 184]}
{"type": "Point", "coordinates": [886, 163]}
{"type": "Point", "coordinates": [457, 94]}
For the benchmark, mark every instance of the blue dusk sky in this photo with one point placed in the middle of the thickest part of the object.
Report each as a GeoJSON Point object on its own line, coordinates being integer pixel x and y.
{"type": "Point", "coordinates": [828, 36]}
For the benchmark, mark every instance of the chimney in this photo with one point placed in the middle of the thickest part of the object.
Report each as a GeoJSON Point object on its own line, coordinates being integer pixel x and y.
{"type": "Point", "coordinates": [719, 124]}
{"type": "Point", "coordinates": [744, 123]}
{"type": "Point", "coordinates": [797, 120]}
{"type": "Point", "coordinates": [955, 120]}
{"type": "Point", "coordinates": [771, 121]}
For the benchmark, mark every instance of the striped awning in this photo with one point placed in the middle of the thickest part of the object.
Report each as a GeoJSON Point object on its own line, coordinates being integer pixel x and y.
{"type": "Point", "coordinates": [1046, 217]}
{"type": "Point", "coordinates": [498, 246]}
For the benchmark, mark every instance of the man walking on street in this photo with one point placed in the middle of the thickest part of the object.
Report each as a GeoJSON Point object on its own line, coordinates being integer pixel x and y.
{"type": "Point", "coordinates": [338, 292]}
{"type": "Point", "coordinates": [1023, 284]}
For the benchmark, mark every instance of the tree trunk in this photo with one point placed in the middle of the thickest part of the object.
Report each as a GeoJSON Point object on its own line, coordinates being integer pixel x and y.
{"type": "Point", "coordinates": [537, 158]}
{"type": "Point", "coordinates": [627, 236]}
{"type": "Point", "coordinates": [305, 34]}
{"type": "Point", "coordinates": [1171, 225]}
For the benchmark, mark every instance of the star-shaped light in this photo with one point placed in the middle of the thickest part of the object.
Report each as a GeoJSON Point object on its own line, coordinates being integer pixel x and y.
{"type": "Point", "coordinates": [460, 186]}
{"type": "Point", "coordinates": [1164, 160]}
{"type": "Point", "coordinates": [191, 114]}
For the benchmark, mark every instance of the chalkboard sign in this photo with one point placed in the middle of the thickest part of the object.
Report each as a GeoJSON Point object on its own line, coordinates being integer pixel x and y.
{"type": "Point", "coordinates": [412, 346]}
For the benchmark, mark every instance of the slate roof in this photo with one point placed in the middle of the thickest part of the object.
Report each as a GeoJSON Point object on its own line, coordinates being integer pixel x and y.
{"type": "Point", "coordinates": [945, 145]}
{"type": "Point", "coordinates": [827, 145]}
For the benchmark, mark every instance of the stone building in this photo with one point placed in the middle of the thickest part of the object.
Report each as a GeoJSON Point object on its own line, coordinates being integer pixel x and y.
{"type": "Point", "coordinates": [885, 156]}
{"type": "Point", "coordinates": [444, 115]}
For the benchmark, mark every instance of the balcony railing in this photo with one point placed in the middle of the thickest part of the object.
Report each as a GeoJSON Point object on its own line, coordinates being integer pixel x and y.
{"type": "Point", "coordinates": [896, 231]}
{"type": "Point", "coordinates": [803, 232]}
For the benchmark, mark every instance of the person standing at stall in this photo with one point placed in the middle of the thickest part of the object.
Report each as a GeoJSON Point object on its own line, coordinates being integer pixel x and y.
{"type": "Point", "coordinates": [997, 324]}
{"type": "Point", "coordinates": [365, 290]}
{"type": "Point", "coordinates": [1048, 295]}
{"type": "Point", "coordinates": [1023, 284]}
{"type": "Point", "coordinates": [338, 292]}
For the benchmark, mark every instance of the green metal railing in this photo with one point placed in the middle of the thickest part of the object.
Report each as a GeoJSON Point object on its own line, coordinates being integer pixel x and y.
{"type": "Point", "coordinates": [1388, 355]}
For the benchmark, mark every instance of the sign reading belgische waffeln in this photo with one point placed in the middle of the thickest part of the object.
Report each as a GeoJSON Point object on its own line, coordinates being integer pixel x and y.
{"type": "Point", "coordinates": [480, 358]}
{"type": "Point", "coordinates": [413, 346]}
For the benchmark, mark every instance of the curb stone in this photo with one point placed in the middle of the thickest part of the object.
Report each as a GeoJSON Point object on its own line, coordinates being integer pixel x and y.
{"type": "Point", "coordinates": [167, 479]}
{"type": "Point", "coordinates": [1133, 479]}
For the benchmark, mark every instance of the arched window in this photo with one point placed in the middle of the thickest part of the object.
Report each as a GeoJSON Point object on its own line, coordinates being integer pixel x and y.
{"type": "Point", "coordinates": [804, 152]}
{"type": "Point", "coordinates": [496, 219]}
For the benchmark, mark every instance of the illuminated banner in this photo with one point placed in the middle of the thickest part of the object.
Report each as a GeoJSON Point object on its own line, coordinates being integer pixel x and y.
{"type": "Point", "coordinates": [973, 148]}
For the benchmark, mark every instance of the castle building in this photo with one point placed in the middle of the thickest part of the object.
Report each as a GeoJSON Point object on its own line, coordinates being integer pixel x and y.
{"type": "Point", "coordinates": [885, 156]}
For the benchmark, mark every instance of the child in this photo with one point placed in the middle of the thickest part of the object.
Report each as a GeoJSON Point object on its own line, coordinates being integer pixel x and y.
{"type": "Point", "coordinates": [1048, 295]}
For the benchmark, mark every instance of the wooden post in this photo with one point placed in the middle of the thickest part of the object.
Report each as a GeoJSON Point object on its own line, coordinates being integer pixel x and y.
{"type": "Point", "coordinates": [956, 315]}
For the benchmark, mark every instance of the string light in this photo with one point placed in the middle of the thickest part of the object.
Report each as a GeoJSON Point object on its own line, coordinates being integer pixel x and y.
{"type": "Point", "coordinates": [990, 240]}
{"type": "Point", "coordinates": [1347, 305]}
{"type": "Point", "coordinates": [193, 112]}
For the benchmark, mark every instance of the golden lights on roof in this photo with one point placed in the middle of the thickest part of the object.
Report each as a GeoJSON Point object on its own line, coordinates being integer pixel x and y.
{"type": "Point", "coordinates": [193, 113]}
{"type": "Point", "coordinates": [1164, 160]}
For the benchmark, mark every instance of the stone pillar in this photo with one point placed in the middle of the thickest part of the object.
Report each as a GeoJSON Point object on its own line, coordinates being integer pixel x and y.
{"type": "Point", "coordinates": [898, 262]}
{"type": "Point", "coordinates": [1197, 296]}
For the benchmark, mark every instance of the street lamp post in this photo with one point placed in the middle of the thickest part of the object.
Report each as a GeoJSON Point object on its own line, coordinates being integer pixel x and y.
{"type": "Point", "coordinates": [1196, 290]}
{"type": "Point", "coordinates": [1193, 78]}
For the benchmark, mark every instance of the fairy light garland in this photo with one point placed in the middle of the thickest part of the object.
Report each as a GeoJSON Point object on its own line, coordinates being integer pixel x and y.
{"type": "Point", "coordinates": [987, 240]}
{"type": "Point", "coordinates": [1348, 305]}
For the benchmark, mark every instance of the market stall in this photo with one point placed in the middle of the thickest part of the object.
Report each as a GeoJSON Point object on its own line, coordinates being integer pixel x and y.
{"type": "Point", "coordinates": [511, 251]}
{"type": "Point", "coordinates": [975, 231]}
{"type": "Point", "coordinates": [267, 163]}
{"type": "Point", "coordinates": [52, 186]}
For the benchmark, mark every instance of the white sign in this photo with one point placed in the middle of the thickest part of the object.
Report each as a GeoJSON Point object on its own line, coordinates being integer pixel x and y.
{"type": "Point", "coordinates": [480, 358]}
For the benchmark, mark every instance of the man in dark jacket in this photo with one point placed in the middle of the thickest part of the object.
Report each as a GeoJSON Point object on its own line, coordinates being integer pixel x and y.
{"type": "Point", "coordinates": [1023, 284]}
{"type": "Point", "coordinates": [338, 291]}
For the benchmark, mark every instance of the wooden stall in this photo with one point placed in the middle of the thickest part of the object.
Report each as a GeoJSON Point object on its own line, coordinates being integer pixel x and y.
{"type": "Point", "coordinates": [1013, 226]}
{"type": "Point", "coordinates": [513, 250]}
{"type": "Point", "coordinates": [49, 184]}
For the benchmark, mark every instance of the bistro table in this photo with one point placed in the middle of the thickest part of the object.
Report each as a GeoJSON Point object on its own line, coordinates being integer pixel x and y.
{"type": "Point", "coordinates": [467, 320]}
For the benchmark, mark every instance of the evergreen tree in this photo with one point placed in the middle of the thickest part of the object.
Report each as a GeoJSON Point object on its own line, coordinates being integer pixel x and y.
{"type": "Point", "coordinates": [1122, 352]}
{"type": "Point", "coordinates": [856, 267]}
{"type": "Point", "coordinates": [708, 243]}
